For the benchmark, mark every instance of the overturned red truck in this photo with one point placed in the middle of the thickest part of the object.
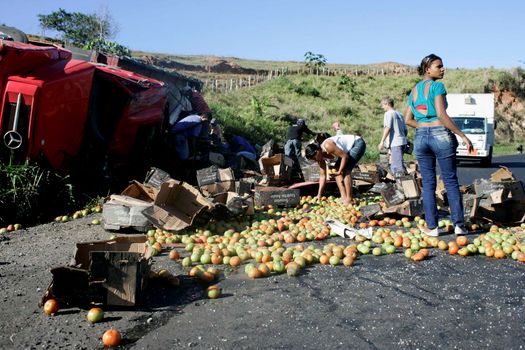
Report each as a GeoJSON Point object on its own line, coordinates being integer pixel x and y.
{"type": "Point", "coordinates": [81, 117]}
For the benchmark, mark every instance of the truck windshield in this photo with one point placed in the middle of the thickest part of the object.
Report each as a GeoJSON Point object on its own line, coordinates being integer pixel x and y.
{"type": "Point", "coordinates": [470, 125]}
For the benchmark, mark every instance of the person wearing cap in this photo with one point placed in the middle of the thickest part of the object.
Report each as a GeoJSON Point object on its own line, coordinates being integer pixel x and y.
{"type": "Point", "coordinates": [294, 135]}
{"type": "Point", "coordinates": [348, 149]}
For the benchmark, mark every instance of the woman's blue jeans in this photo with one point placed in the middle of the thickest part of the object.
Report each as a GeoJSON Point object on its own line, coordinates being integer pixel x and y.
{"type": "Point", "coordinates": [431, 144]}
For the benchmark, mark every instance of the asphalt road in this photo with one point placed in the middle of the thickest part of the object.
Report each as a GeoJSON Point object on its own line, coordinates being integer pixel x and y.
{"type": "Point", "coordinates": [386, 302]}
{"type": "Point", "coordinates": [469, 171]}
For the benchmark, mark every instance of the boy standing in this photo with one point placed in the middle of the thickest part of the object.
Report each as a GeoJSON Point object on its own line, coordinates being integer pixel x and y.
{"type": "Point", "coordinates": [394, 135]}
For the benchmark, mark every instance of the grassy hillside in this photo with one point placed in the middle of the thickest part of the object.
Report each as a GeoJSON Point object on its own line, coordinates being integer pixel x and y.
{"type": "Point", "coordinates": [265, 110]}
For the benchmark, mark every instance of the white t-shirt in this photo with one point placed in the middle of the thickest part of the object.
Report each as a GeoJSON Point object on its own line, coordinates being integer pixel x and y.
{"type": "Point", "coordinates": [344, 142]}
{"type": "Point", "coordinates": [398, 130]}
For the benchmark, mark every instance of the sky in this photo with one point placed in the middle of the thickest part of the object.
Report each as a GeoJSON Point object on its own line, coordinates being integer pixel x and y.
{"type": "Point", "coordinates": [465, 33]}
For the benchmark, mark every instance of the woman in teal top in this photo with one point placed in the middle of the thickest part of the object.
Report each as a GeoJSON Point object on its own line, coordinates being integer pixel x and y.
{"type": "Point", "coordinates": [435, 140]}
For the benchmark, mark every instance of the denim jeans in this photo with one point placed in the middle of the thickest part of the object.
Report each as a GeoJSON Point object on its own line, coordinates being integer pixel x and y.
{"type": "Point", "coordinates": [354, 155]}
{"type": "Point", "coordinates": [292, 148]}
{"type": "Point", "coordinates": [397, 165]}
{"type": "Point", "coordinates": [431, 144]}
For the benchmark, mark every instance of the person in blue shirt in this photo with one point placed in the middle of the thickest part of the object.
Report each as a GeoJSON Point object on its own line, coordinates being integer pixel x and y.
{"type": "Point", "coordinates": [186, 132]}
{"type": "Point", "coordinates": [435, 141]}
{"type": "Point", "coordinates": [241, 153]}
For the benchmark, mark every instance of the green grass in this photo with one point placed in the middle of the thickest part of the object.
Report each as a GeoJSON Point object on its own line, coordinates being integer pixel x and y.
{"type": "Point", "coordinates": [29, 193]}
{"type": "Point", "coordinates": [504, 149]}
{"type": "Point", "coordinates": [354, 101]}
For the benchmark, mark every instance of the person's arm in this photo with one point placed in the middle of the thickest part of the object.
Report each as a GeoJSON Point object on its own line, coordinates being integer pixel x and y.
{"type": "Point", "coordinates": [337, 128]}
{"type": "Point", "coordinates": [386, 131]}
{"type": "Point", "coordinates": [308, 131]}
{"type": "Point", "coordinates": [448, 122]}
{"type": "Point", "coordinates": [332, 148]}
{"type": "Point", "coordinates": [409, 118]}
{"type": "Point", "coordinates": [322, 178]}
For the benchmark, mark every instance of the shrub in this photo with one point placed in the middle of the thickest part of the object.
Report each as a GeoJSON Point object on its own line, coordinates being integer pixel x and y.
{"type": "Point", "coordinates": [31, 194]}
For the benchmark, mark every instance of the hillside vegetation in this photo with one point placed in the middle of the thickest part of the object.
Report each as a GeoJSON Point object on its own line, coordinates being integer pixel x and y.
{"type": "Point", "coordinates": [264, 111]}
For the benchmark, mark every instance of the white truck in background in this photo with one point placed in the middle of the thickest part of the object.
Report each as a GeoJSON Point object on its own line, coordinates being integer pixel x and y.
{"type": "Point", "coordinates": [474, 115]}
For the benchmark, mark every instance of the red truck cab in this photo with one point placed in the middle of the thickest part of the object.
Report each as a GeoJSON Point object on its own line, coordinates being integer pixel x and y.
{"type": "Point", "coordinates": [63, 111]}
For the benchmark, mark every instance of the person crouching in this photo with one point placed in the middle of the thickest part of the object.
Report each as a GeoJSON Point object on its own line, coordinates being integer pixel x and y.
{"type": "Point", "coordinates": [349, 149]}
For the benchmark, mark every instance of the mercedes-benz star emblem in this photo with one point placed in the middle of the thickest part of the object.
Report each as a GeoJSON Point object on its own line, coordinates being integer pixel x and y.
{"type": "Point", "coordinates": [12, 139]}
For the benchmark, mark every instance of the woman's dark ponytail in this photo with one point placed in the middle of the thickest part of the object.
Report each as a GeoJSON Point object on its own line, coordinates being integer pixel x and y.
{"type": "Point", "coordinates": [426, 62]}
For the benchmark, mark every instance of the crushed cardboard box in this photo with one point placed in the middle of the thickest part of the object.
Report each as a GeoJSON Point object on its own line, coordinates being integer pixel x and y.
{"type": "Point", "coordinates": [111, 272]}
{"type": "Point", "coordinates": [121, 212]}
{"type": "Point", "coordinates": [231, 204]}
{"type": "Point", "coordinates": [125, 210]}
{"type": "Point", "coordinates": [346, 231]}
{"type": "Point", "coordinates": [499, 200]}
{"type": "Point", "coordinates": [177, 206]}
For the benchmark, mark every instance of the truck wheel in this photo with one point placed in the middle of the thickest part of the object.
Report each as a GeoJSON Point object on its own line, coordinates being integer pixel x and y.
{"type": "Point", "coordinates": [487, 162]}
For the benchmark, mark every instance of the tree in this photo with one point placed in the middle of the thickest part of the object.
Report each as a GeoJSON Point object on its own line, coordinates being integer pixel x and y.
{"type": "Point", "coordinates": [77, 28]}
{"type": "Point", "coordinates": [107, 46]}
{"type": "Point", "coordinates": [314, 61]}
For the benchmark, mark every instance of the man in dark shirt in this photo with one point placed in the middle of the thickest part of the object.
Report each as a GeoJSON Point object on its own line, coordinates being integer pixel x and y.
{"type": "Point", "coordinates": [293, 145]}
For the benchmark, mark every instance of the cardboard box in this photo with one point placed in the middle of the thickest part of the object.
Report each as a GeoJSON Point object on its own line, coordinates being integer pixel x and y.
{"type": "Point", "coordinates": [156, 177]}
{"type": "Point", "coordinates": [409, 186]}
{"type": "Point", "coordinates": [499, 192]}
{"type": "Point", "coordinates": [412, 167]}
{"type": "Point", "coordinates": [267, 149]}
{"type": "Point", "coordinates": [245, 186]}
{"type": "Point", "coordinates": [177, 206]}
{"type": "Point", "coordinates": [368, 172]}
{"type": "Point", "coordinates": [441, 192]}
{"type": "Point", "coordinates": [508, 212]}
{"type": "Point", "coordinates": [207, 176]}
{"type": "Point", "coordinates": [502, 174]}
{"type": "Point", "coordinates": [370, 210]}
{"type": "Point", "coordinates": [411, 207]}
{"type": "Point", "coordinates": [310, 170]}
{"type": "Point", "coordinates": [276, 196]}
{"type": "Point", "coordinates": [392, 195]}
{"type": "Point", "coordinates": [125, 212]}
{"type": "Point", "coordinates": [139, 191]}
{"type": "Point", "coordinates": [370, 177]}
{"type": "Point", "coordinates": [213, 180]}
{"type": "Point", "coordinates": [470, 206]}
{"type": "Point", "coordinates": [277, 168]}
{"type": "Point", "coordinates": [384, 160]}
{"type": "Point", "coordinates": [112, 272]}
{"type": "Point", "coordinates": [231, 204]}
